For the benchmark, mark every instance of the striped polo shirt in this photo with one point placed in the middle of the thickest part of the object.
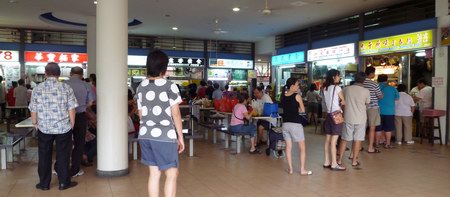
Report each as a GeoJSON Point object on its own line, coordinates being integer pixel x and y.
{"type": "Point", "coordinates": [375, 92]}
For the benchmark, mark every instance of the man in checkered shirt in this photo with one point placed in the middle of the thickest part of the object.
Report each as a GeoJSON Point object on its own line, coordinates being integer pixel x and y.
{"type": "Point", "coordinates": [52, 109]}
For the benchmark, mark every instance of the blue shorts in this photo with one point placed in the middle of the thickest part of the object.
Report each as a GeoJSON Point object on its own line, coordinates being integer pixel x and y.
{"type": "Point", "coordinates": [161, 154]}
{"type": "Point", "coordinates": [387, 123]}
{"type": "Point", "coordinates": [249, 129]}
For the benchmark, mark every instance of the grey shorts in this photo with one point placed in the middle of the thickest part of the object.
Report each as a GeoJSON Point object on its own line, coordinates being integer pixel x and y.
{"type": "Point", "coordinates": [373, 117]}
{"type": "Point", "coordinates": [355, 132]}
{"type": "Point", "coordinates": [293, 131]}
{"type": "Point", "coordinates": [161, 154]}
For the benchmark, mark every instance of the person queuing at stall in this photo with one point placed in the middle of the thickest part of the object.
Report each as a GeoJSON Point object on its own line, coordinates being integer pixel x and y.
{"type": "Point", "coordinates": [356, 100]}
{"type": "Point", "coordinates": [373, 110]}
{"type": "Point", "coordinates": [10, 99]}
{"type": "Point", "coordinates": [217, 94]}
{"type": "Point", "coordinates": [263, 125]}
{"type": "Point", "coordinates": [201, 92]}
{"type": "Point", "coordinates": [20, 94]}
{"type": "Point", "coordinates": [313, 98]}
{"type": "Point", "coordinates": [160, 133]}
{"type": "Point", "coordinates": [333, 96]}
{"type": "Point", "coordinates": [85, 98]}
{"type": "Point", "coordinates": [209, 90]}
{"type": "Point", "coordinates": [292, 104]}
{"type": "Point", "coordinates": [404, 110]}
{"type": "Point", "coordinates": [387, 111]}
{"type": "Point", "coordinates": [53, 124]}
{"type": "Point", "coordinates": [237, 124]}
{"type": "Point", "coordinates": [2, 98]}
{"type": "Point", "coordinates": [226, 93]}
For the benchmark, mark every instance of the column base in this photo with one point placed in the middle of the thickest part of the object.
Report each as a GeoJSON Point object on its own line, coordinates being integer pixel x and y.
{"type": "Point", "coordinates": [116, 173]}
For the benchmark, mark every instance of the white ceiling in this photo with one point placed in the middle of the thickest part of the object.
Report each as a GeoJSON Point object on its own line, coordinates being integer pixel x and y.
{"type": "Point", "coordinates": [194, 18]}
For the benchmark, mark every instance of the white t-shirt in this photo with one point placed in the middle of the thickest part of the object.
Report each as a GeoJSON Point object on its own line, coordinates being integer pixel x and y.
{"type": "Point", "coordinates": [403, 105]}
{"type": "Point", "coordinates": [426, 95]}
{"type": "Point", "coordinates": [328, 97]}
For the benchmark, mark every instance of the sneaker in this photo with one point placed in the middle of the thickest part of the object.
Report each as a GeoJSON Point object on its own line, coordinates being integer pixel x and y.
{"type": "Point", "coordinates": [399, 143]}
{"type": "Point", "coordinates": [410, 142]}
{"type": "Point", "coordinates": [81, 172]}
{"type": "Point", "coordinates": [54, 173]}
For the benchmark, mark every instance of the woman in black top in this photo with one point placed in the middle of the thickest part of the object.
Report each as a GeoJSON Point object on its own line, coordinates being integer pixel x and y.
{"type": "Point", "coordinates": [292, 105]}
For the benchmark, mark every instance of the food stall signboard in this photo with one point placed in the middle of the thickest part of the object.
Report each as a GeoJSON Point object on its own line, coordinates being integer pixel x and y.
{"type": "Point", "coordinates": [58, 57]}
{"type": "Point", "coordinates": [404, 42]}
{"type": "Point", "coordinates": [9, 56]}
{"type": "Point", "coordinates": [218, 74]}
{"type": "Point", "coordinates": [335, 52]}
{"type": "Point", "coordinates": [290, 58]}
{"type": "Point", "coordinates": [139, 60]}
{"type": "Point", "coordinates": [239, 75]}
{"type": "Point", "coordinates": [230, 63]}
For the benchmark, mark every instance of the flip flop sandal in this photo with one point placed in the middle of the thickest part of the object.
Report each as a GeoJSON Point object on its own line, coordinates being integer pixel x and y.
{"type": "Point", "coordinates": [357, 164]}
{"type": "Point", "coordinates": [307, 173]}
{"type": "Point", "coordinates": [338, 168]}
{"type": "Point", "coordinates": [326, 166]}
{"type": "Point", "coordinates": [289, 171]}
{"type": "Point", "coordinates": [375, 151]}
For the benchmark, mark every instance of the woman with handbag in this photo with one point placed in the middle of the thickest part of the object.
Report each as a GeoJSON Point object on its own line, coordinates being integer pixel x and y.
{"type": "Point", "coordinates": [334, 120]}
{"type": "Point", "coordinates": [292, 105]}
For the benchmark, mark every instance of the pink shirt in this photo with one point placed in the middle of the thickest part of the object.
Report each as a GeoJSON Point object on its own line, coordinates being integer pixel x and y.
{"type": "Point", "coordinates": [238, 114]}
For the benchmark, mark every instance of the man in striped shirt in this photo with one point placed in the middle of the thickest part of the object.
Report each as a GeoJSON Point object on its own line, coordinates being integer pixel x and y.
{"type": "Point", "coordinates": [373, 110]}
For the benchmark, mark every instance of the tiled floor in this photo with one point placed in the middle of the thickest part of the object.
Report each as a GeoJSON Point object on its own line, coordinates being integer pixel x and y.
{"type": "Point", "coordinates": [409, 170]}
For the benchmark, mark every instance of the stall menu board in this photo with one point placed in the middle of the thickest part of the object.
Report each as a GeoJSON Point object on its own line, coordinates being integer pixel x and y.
{"type": "Point", "coordinates": [136, 72]}
{"type": "Point", "coordinates": [58, 57]}
{"type": "Point", "coordinates": [139, 60]}
{"type": "Point", "coordinates": [345, 50]}
{"type": "Point", "coordinates": [9, 56]}
{"type": "Point", "coordinates": [404, 42]}
{"type": "Point", "coordinates": [239, 75]}
{"type": "Point", "coordinates": [230, 63]}
{"type": "Point", "coordinates": [218, 74]}
{"type": "Point", "coordinates": [290, 58]}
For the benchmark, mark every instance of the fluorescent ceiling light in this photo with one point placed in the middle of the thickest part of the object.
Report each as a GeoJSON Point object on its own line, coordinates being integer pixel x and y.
{"type": "Point", "coordinates": [421, 54]}
{"type": "Point", "coordinates": [174, 28]}
{"type": "Point", "coordinates": [236, 9]}
{"type": "Point", "coordinates": [95, 2]}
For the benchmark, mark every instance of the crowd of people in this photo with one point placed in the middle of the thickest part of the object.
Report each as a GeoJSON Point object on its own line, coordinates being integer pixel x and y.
{"type": "Point", "coordinates": [65, 113]}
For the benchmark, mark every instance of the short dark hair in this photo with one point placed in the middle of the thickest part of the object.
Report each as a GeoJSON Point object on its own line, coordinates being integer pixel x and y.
{"type": "Point", "coordinates": [401, 88]}
{"type": "Point", "coordinates": [21, 82]}
{"type": "Point", "coordinates": [226, 87]}
{"type": "Point", "coordinates": [76, 70]}
{"type": "Point", "coordinates": [242, 97]}
{"type": "Point", "coordinates": [382, 78]}
{"type": "Point", "coordinates": [28, 86]}
{"type": "Point", "coordinates": [370, 70]}
{"type": "Point", "coordinates": [202, 83]}
{"type": "Point", "coordinates": [260, 89]}
{"type": "Point", "coordinates": [52, 69]}
{"type": "Point", "coordinates": [216, 86]}
{"type": "Point", "coordinates": [210, 82]}
{"type": "Point", "coordinates": [423, 81]}
{"type": "Point", "coordinates": [1, 78]}
{"type": "Point", "coordinates": [157, 62]}
{"type": "Point", "coordinates": [14, 83]}
{"type": "Point", "coordinates": [360, 77]}
{"type": "Point", "coordinates": [312, 87]}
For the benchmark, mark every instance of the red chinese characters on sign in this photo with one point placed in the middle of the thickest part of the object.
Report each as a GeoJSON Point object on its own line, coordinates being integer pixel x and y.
{"type": "Point", "coordinates": [32, 56]}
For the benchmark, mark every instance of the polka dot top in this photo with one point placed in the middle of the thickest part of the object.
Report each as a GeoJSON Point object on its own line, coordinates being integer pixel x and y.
{"type": "Point", "coordinates": [155, 97]}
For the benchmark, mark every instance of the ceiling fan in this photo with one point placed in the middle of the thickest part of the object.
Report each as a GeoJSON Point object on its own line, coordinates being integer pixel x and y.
{"type": "Point", "coordinates": [266, 11]}
{"type": "Point", "coordinates": [217, 30]}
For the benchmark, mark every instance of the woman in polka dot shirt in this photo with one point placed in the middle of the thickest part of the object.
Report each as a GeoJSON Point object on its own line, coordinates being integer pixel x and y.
{"type": "Point", "coordinates": [160, 130]}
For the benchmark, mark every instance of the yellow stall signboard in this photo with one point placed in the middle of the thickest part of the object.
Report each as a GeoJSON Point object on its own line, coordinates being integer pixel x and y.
{"type": "Point", "coordinates": [404, 42]}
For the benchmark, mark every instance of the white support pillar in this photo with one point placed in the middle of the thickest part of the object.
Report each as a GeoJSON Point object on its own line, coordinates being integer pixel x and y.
{"type": "Point", "coordinates": [112, 50]}
{"type": "Point", "coordinates": [91, 45]}
{"type": "Point", "coordinates": [441, 62]}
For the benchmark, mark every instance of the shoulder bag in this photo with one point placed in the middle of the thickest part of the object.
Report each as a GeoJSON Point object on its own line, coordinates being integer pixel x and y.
{"type": "Point", "coordinates": [337, 115]}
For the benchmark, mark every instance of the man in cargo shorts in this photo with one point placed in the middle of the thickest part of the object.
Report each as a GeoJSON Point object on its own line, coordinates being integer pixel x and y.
{"type": "Point", "coordinates": [373, 111]}
{"type": "Point", "coordinates": [356, 100]}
